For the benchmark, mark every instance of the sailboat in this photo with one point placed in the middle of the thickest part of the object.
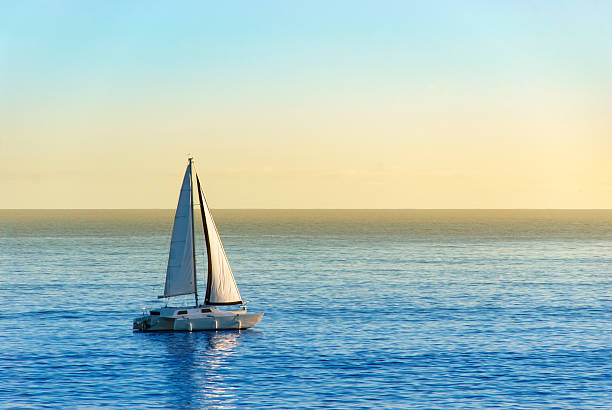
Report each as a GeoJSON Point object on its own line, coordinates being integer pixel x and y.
{"type": "Point", "coordinates": [181, 278]}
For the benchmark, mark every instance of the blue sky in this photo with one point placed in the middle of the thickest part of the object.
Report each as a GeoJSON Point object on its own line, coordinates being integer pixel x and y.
{"type": "Point", "coordinates": [331, 86]}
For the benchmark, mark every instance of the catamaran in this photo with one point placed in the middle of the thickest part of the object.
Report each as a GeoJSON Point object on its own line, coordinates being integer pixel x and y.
{"type": "Point", "coordinates": [221, 288]}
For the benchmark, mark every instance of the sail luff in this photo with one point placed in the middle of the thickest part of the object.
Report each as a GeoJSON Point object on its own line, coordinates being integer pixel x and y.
{"type": "Point", "coordinates": [195, 281]}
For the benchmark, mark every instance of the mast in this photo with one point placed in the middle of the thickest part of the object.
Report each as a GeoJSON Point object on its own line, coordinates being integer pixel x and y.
{"type": "Point", "coordinates": [195, 282]}
{"type": "Point", "coordinates": [206, 239]}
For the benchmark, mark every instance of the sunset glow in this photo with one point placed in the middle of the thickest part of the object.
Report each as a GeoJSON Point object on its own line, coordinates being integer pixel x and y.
{"type": "Point", "coordinates": [355, 105]}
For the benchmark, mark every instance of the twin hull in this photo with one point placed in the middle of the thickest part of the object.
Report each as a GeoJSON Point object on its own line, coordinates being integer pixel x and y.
{"type": "Point", "coordinates": [193, 319]}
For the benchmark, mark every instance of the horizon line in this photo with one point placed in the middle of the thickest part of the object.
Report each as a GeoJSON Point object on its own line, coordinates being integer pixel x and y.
{"type": "Point", "coordinates": [313, 209]}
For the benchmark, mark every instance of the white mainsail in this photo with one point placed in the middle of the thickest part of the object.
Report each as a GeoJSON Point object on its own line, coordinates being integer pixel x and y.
{"type": "Point", "coordinates": [180, 276]}
{"type": "Point", "coordinates": [221, 288]}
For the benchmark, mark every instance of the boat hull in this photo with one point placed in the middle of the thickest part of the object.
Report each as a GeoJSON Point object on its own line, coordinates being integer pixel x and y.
{"type": "Point", "coordinates": [236, 322]}
{"type": "Point", "coordinates": [150, 323]}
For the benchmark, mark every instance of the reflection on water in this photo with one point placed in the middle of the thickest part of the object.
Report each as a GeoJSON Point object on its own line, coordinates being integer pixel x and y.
{"type": "Point", "coordinates": [197, 366]}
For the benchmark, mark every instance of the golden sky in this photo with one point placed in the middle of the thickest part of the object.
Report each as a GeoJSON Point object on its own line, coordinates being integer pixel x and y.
{"type": "Point", "coordinates": [399, 106]}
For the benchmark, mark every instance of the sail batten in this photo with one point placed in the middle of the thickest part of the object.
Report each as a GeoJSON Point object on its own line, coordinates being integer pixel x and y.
{"type": "Point", "coordinates": [180, 274]}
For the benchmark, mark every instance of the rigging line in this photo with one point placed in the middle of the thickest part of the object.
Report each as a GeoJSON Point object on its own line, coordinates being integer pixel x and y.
{"type": "Point", "coordinates": [195, 277]}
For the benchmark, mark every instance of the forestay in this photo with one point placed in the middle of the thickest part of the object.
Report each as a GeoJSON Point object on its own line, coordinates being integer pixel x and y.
{"type": "Point", "coordinates": [180, 274]}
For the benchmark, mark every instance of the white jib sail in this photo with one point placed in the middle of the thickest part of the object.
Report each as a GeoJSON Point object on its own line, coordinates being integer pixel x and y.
{"type": "Point", "coordinates": [221, 286]}
{"type": "Point", "coordinates": [180, 273]}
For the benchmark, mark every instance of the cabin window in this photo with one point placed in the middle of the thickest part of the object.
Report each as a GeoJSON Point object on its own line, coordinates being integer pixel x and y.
{"type": "Point", "coordinates": [154, 313]}
{"type": "Point", "coordinates": [181, 312]}
{"type": "Point", "coordinates": [205, 310]}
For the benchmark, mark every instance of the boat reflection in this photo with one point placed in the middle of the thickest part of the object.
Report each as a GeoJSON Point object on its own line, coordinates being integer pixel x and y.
{"type": "Point", "coordinates": [199, 365]}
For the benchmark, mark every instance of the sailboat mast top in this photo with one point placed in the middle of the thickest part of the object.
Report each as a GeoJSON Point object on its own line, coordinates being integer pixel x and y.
{"type": "Point", "coordinates": [195, 281]}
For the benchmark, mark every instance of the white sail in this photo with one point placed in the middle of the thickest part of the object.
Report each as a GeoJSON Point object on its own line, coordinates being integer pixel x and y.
{"type": "Point", "coordinates": [180, 274]}
{"type": "Point", "coordinates": [221, 288]}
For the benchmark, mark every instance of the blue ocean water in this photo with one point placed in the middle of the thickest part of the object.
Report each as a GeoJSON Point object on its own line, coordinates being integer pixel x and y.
{"type": "Point", "coordinates": [365, 309]}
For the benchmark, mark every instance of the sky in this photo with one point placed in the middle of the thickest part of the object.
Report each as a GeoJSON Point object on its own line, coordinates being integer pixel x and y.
{"type": "Point", "coordinates": [319, 104]}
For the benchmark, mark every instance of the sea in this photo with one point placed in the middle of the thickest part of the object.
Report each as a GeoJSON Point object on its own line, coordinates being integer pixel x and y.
{"type": "Point", "coordinates": [380, 309]}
